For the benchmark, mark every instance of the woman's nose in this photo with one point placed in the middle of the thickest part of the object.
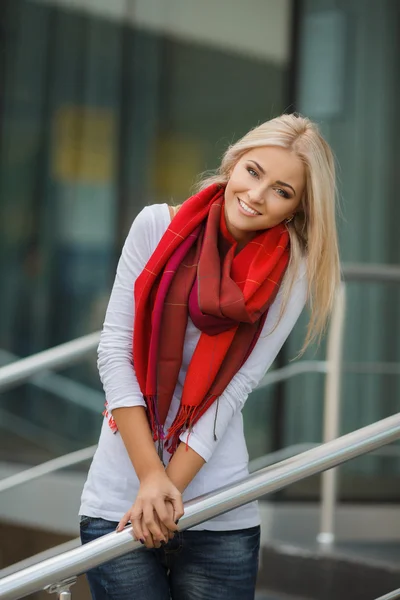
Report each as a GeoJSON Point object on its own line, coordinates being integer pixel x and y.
{"type": "Point", "coordinates": [256, 194]}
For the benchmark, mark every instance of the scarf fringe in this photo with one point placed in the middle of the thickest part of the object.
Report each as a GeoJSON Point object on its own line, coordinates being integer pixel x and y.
{"type": "Point", "coordinates": [154, 418]}
{"type": "Point", "coordinates": [110, 419]}
{"type": "Point", "coordinates": [185, 419]}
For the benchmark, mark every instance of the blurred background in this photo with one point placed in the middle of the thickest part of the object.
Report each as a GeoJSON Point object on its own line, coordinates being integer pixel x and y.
{"type": "Point", "coordinates": [110, 105]}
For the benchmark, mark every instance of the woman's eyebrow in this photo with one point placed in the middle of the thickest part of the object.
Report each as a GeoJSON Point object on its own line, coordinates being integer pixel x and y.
{"type": "Point", "coordinates": [282, 183]}
{"type": "Point", "coordinates": [258, 166]}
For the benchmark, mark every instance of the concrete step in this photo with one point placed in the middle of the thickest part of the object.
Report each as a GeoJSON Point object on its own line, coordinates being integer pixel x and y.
{"type": "Point", "coordinates": [321, 574]}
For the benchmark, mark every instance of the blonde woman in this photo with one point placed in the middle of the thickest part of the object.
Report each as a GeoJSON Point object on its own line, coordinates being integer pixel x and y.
{"type": "Point", "coordinates": [204, 298]}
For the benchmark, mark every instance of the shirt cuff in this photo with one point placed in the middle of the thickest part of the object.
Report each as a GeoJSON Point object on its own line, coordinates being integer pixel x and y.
{"type": "Point", "coordinates": [127, 402]}
{"type": "Point", "coordinates": [195, 443]}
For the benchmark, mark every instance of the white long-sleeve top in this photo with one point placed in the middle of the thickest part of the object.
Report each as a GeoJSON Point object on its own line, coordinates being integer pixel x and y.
{"type": "Point", "coordinates": [112, 485]}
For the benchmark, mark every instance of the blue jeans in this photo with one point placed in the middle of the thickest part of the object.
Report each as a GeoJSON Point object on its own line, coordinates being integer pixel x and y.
{"type": "Point", "coordinates": [195, 565]}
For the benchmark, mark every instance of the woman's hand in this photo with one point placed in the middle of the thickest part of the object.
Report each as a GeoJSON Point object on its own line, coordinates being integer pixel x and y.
{"type": "Point", "coordinates": [150, 542]}
{"type": "Point", "coordinates": [155, 511]}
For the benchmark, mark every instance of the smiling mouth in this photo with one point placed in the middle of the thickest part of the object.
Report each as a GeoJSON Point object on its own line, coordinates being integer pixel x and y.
{"type": "Point", "coordinates": [247, 209]}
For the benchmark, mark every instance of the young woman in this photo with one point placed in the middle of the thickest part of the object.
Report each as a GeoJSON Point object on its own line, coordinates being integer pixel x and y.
{"type": "Point", "coordinates": [203, 299]}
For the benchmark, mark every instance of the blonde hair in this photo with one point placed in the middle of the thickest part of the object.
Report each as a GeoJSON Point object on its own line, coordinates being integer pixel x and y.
{"type": "Point", "coordinates": [313, 230]}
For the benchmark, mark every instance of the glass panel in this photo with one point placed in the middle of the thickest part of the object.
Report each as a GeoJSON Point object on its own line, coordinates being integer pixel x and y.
{"type": "Point", "coordinates": [367, 396]}
{"type": "Point", "coordinates": [348, 81]}
{"type": "Point", "coordinates": [106, 111]}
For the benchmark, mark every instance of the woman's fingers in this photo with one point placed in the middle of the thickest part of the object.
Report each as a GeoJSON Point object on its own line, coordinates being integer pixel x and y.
{"type": "Point", "coordinates": [124, 521]}
{"type": "Point", "coordinates": [170, 509]}
{"type": "Point", "coordinates": [164, 530]}
{"type": "Point", "coordinates": [153, 521]}
{"type": "Point", "coordinates": [138, 529]}
{"type": "Point", "coordinates": [168, 534]}
{"type": "Point", "coordinates": [165, 515]}
{"type": "Point", "coordinates": [150, 542]}
{"type": "Point", "coordinates": [177, 503]}
{"type": "Point", "coordinates": [152, 525]}
{"type": "Point", "coordinates": [141, 532]}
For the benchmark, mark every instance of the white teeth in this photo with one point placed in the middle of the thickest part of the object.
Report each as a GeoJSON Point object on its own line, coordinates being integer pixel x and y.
{"type": "Point", "coordinates": [248, 209]}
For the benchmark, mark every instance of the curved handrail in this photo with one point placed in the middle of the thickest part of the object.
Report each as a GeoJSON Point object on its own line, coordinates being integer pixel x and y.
{"type": "Point", "coordinates": [282, 374]}
{"type": "Point", "coordinates": [68, 353]}
{"type": "Point", "coordinates": [60, 356]}
{"type": "Point", "coordinates": [58, 385]}
{"type": "Point", "coordinates": [371, 272]}
{"type": "Point", "coordinates": [298, 368]}
{"type": "Point", "coordinates": [65, 354]}
{"type": "Point", "coordinates": [80, 456]}
{"type": "Point", "coordinates": [391, 596]}
{"type": "Point", "coordinates": [50, 466]}
{"type": "Point", "coordinates": [271, 479]}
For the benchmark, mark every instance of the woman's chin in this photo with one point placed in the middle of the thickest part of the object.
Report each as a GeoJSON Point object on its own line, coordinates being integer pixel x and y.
{"type": "Point", "coordinates": [242, 223]}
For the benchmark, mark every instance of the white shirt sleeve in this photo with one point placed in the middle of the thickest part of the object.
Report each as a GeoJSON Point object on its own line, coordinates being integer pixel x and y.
{"type": "Point", "coordinates": [115, 361]}
{"type": "Point", "coordinates": [202, 439]}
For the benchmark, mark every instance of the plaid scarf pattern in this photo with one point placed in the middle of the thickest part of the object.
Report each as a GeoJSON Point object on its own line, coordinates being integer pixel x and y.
{"type": "Point", "coordinates": [196, 271]}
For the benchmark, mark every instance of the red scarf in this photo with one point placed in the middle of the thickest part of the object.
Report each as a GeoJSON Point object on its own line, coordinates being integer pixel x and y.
{"type": "Point", "coordinates": [194, 273]}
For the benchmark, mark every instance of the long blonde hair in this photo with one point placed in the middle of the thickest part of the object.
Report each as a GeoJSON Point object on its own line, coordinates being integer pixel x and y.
{"type": "Point", "coordinates": [313, 233]}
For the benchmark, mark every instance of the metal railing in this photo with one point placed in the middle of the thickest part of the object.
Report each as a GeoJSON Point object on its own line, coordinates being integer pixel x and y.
{"type": "Point", "coordinates": [350, 272]}
{"type": "Point", "coordinates": [66, 354]}
{"type": "Point", "coordinates": [371, 272]}
{"type": "Point", "coordinates": [80, 456]}
{"type": "Point", "coordinates": [332, 415]}
{"type": "Point", "coordinates": [57, 574]}
{"type": "Point", "coordinates": [28, 368]}
{"type": "Point", "coordinates": [391, 596]}
{"type": "Point", "coordinates": [63, 387]}
{"type": "Point", "coordinates": [61, 356]}
{"type": "Point", "coordinates": [50, 466]}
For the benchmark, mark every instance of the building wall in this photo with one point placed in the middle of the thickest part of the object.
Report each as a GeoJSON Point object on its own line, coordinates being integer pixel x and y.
{"type": "Point", "coordinates": [108, 107]}
{"type": "Point", "coordinates": [259, 29]}
{"type": "Point", "coordinates": [347, 80]}
{"type": "Point", "coordinates": [102, 114]}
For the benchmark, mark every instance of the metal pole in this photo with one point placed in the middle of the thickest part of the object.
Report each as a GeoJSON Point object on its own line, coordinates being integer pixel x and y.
{"type": "Point", "coordinates": [391, 596]}
{"type": "Point", "coordinates": [271, 479]}
{"type": "Point", "coordinates": [326, 535]}
{"type": "Point", "coordinates": [371, 272]}
{"type": "Point", "coordinates": [60, 356]}
{"type": "Point", "coordinates": [51, 466]}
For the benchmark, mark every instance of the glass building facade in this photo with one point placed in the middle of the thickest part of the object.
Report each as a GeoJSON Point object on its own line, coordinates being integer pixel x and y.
{"type": "Point", "coordinates": [109, 106]}
{"type": "Point", "coordinates": [347, 78]}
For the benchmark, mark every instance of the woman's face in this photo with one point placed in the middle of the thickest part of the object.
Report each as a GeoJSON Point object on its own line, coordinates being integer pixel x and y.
{"type": "Point", "coordinates": [265, 188]}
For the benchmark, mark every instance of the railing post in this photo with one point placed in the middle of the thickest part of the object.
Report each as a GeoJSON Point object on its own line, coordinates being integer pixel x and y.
{"type": "Point", "coordinates": [62, 589]}
{"type": "Point", "coordinates": [331, 427]}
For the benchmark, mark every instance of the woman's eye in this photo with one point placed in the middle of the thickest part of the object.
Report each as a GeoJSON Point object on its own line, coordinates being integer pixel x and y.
{"type": "Point", "coordinates": [282, 193]}
{"type": "Point", "coordinates": [252, 172]}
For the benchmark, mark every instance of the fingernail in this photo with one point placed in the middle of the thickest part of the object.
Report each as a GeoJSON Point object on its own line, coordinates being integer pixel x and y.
{"type": "Point", "coordinates": [117, 528]}
{"type": "Point", "coordinates": [141, 541]}
{"type": "Point", "coordinates": [162, 542]}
